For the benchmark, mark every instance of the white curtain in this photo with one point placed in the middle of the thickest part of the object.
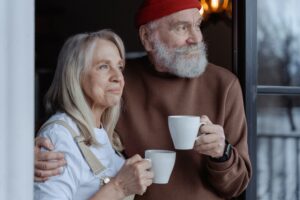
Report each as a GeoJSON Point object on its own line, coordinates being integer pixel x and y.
{"type": "Point", "coordinates": [16, 99]}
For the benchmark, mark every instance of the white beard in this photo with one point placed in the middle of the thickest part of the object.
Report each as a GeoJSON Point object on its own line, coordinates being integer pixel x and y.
{"type": "Point", "coordinates": [187, 62]}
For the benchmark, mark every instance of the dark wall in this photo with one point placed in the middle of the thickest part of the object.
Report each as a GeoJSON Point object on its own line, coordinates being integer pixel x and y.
{"type": "Point", "coordinates": [56, 20]}
{"type": "Point", "coordinates": [217, 33]}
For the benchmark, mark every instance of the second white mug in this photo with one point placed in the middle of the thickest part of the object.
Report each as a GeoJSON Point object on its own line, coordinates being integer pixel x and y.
{"type": "Point", "coordinates": [162, 164]}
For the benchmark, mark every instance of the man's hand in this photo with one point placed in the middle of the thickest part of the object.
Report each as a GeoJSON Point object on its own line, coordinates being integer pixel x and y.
{"type": "Point", "coordinates": [46, 163]}
{"type": "Point", "coordinates": [211, 141]}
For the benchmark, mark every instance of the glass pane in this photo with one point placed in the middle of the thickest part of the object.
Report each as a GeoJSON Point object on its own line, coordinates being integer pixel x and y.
{"type": "Point", "coordinates": [278, 147]}
{"type": "Point", "coordinates": [278, 114]}
{"type": "Point", "coordinates": [278, 37]}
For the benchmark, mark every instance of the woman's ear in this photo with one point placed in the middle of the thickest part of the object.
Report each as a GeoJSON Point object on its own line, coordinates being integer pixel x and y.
{"type": "Point", "coordinates": [144, 36]}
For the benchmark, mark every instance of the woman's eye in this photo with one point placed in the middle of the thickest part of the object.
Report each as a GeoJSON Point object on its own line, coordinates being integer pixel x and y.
{"type": "Point", "coordinates": [121, 67]}
{"type": "Point", "coordinates": [102, 67]}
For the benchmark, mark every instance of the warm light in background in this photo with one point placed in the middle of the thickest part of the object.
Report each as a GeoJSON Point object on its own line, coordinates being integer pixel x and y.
{"type": "Point", "coordinates": [201, 11]}
{"type": "Point", "coordinates": [216, 6]}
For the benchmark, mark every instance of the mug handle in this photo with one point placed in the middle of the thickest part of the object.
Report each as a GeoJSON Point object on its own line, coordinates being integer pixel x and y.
{"type": "Point", "coordinates": [201, 124]}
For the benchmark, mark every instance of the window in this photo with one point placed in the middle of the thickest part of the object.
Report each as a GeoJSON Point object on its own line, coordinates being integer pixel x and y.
{"type": "Point", "coordinates": [267, 45]}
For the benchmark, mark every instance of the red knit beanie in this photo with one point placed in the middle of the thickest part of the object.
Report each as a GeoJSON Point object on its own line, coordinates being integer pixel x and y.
{"type": "Point", "coordinates": [154, 9]}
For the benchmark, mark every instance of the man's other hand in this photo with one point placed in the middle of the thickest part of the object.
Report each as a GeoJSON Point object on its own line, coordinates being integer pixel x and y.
{"type": "Point", "coordinates": [46, 163]}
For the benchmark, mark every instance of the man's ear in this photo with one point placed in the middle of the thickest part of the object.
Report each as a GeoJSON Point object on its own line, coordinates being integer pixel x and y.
{"type": "Point", "coordinates": [144, 36]}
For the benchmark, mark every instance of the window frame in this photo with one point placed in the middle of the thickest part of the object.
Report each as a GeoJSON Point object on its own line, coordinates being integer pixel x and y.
{"type": "Point", "coordinates": [245, 66]}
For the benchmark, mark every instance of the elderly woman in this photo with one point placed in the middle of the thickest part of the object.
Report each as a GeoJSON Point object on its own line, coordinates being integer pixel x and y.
{"type": "Point", "coordinates": [84, 100]}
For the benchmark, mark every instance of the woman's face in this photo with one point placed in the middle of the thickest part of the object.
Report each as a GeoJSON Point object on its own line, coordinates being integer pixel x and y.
{"type": "Point", "coordinates": [103, 81]}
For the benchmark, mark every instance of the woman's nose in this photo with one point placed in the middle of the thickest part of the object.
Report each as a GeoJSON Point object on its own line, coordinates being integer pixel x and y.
{"type": "Point", "coordinates": [117, 75]}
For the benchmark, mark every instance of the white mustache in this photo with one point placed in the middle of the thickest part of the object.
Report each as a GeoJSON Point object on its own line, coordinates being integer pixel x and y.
{"type": "Point", "coordinates": [189, 49]}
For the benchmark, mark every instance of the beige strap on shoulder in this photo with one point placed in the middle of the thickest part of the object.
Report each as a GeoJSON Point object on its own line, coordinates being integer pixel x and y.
{"type": "Point", "coordinates": [94, 164]}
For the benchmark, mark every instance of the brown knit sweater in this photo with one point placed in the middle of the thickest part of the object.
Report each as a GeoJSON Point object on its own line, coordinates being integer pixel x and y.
{"type": "Point", "coordinates": [149, 98]}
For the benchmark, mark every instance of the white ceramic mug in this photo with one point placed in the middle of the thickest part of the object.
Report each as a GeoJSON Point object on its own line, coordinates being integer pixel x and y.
{"type": "Point", "coordinates": [184, 130]}
{"type": "Point", "coordinates": [162, 164]}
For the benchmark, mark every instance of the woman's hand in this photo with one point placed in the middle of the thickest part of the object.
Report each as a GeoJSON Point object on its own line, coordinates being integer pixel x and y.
{"type": "Point", "coordinates": [46, 163]}
{"type": "Point", "coordinates": [134, 177]}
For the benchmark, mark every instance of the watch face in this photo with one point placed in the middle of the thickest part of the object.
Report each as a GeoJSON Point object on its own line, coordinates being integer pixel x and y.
{"type": "Point", "coordinates": [228, 150]}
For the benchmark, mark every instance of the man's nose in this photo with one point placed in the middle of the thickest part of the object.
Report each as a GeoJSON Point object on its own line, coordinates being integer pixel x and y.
{"type": "Point", "coordinates": [195, 36]}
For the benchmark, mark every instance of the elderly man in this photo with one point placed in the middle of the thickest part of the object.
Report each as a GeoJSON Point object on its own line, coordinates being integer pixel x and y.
{"type": "Point", "coordinates": [175, 79]}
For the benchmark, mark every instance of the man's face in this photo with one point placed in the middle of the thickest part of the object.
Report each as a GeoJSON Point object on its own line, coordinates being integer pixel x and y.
{"type": "Point", "coordinates": [177, 44]}
{"type": "Point", "coordinates": [181, 28]}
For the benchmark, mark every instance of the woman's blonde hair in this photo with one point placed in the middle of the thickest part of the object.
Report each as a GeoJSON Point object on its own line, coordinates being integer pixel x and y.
{"type": "Point", "coordinates": [66, 94]}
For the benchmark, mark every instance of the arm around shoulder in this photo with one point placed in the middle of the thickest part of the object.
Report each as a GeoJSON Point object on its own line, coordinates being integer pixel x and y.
{"type": "Point", "coordinates": [62, 186]}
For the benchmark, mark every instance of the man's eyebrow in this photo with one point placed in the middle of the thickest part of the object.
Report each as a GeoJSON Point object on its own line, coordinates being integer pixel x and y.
{"type": "Point", "coordinates": [176, 23]}
{"type": "Point", "coordinates": [181, 22]}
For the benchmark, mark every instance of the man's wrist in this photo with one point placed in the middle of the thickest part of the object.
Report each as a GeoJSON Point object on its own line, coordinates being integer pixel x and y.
{"type": "Point", "coordinates": [226, 154]}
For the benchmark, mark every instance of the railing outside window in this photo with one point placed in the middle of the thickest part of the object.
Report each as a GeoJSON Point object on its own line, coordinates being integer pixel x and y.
{"type": "Point", "coordinates": [278, 164]}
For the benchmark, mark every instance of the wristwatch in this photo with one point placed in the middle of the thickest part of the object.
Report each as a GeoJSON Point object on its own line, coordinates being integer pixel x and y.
{"type": "Point", "coordinates": [226, 154]}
